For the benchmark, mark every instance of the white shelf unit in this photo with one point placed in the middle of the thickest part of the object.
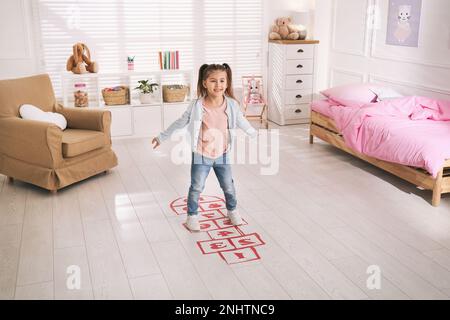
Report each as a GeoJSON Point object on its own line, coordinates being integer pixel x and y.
{"type": "Point", "coordinates": [135, 119]}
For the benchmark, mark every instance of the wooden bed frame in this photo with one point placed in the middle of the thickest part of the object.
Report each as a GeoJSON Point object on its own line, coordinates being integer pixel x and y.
{"type": "Point", "coordinates": [324, 128]}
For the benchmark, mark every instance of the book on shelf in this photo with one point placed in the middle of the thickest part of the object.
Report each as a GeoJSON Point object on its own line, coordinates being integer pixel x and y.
{"type": "Point", "coordinates": [169, 60]}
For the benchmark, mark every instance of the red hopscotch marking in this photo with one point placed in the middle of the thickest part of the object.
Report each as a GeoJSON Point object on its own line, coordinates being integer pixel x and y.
{"type": "Point", "coordinates": [215, 214]}
{"type": "Point", "coordinates": [203, 207]}
{"type": "Point", "coordinates": [230, 244]}
{"type": "Point", "coordinates": [215, 246]}
{"type": "Point", "coordinates": [212, 206]}
{"type": "Point", "coordinates": [226, 240]}
{"type": "Point", "coordinates": [225, 233]}
{"type": "Point", "coordinates": [247, 240]}
{"type": "Point", "coordinates": [205, 226]}
{"type": "Point", "coordinates": [208, 225]}
{"type": "Point", "coordinates": [240, 255]}
{"type": "Point", "coordinates": [180, 210]}
{"type": "Point", "coordinates": [204, 202]}
{"type": "Point", "coordinates": [226, 223]}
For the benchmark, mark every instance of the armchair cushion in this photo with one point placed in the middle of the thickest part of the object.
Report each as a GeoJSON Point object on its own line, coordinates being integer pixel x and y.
{"type": "Point", "coordinates": [30, 112]}
{"type": "Point", "coordinates": [76, 142]}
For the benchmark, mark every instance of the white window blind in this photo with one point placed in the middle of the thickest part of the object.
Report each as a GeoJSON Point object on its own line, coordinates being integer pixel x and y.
{"type": "Point", "coordinates": [204, 31]}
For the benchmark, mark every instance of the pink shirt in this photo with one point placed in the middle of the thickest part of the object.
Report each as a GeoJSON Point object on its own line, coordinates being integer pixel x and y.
{"type": "Point", "coordinates": [213, 138]}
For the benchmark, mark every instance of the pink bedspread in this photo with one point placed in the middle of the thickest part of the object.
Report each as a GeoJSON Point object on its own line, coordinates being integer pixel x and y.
{"type": "Point", "coordinates": [413, 131]}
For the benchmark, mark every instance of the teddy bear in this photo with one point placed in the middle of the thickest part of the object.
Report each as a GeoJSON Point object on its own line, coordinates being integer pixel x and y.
{"type": "Point", "coordinates": [283, 29]}
{"type": "Point", "coordinates": [80, 61]}
{"type": "Point", "coordinates": [254, 95]}
{"type": "Point", "coordinates": [300, 29]}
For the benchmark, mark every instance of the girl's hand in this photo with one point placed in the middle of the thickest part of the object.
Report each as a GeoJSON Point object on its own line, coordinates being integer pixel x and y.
{"type": "Point", "coordinates": [155, 143]}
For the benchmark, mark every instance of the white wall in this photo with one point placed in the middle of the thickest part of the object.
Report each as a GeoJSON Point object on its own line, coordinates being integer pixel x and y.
{"type": "Point", "coordinates": [358, 50]}
{"type": "Point", "coordinates": [322, 32]}
{"type": "Point", "coordinates": [18, 55]}
{"type": "Point", "coordinates": [280, 8]}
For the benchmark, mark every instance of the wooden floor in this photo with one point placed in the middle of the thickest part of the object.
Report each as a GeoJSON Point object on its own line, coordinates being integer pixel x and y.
{"type": "Point", "coordinates": [325, 217]}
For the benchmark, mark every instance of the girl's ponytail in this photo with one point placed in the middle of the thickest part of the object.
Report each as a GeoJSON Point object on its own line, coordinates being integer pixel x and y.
{"type": "Point", "coordinates": [201, 73]}
{"type": "Point", "coordinates": [229, 90]}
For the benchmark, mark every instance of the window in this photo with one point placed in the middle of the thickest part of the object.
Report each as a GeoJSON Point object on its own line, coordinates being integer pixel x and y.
{"type": "Point", "coordinates": [204, 31]}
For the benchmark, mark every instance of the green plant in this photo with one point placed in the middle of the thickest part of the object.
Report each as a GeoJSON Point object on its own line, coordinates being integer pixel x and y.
{"type": "Point", "coordinates": [146, 87]}
{"type": "Point", "coordinates": [130, 59]}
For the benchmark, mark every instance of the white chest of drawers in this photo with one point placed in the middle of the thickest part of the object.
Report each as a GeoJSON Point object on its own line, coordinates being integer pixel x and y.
{"type": "Point", "coordinates": [291, 80]}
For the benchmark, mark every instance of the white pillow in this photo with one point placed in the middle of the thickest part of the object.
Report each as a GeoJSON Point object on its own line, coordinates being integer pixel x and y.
{"type": "Point", "coordinates": [30, 112]}
{"type": "Point", "coordinates": [385, 93]}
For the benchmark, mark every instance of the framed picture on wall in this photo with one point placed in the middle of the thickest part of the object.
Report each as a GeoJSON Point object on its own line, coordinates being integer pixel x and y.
{"type": "Point", "coordinates": [403, 23]}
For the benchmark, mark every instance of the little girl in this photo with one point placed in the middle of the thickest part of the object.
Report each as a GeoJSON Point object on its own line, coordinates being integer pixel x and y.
{"type": "Point", "coordinates": [211, 121]}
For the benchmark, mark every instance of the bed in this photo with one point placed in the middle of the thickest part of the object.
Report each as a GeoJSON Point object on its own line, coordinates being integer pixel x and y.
{"type": "Point", "coordinates": [326, 119]}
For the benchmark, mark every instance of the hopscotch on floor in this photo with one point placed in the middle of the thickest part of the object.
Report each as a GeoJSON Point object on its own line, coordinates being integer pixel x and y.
{"type": "Point", "coordinates": [226, 240]}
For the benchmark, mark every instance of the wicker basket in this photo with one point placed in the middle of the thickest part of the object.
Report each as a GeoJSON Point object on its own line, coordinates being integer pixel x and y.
{"type": "Point", "coordinates": [117, 97]}
{"type": "Point", "coordinates": [174, 93]}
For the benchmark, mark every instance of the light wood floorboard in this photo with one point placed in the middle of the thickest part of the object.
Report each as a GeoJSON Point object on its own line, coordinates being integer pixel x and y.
{"type": "Point", "coordinates": [324, 217]}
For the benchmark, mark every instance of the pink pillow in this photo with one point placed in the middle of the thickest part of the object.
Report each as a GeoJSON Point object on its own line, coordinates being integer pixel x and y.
{"type": "Point", "coordinates": [354, 92]}
{"type": "Point", "coordinates": [346, 103]}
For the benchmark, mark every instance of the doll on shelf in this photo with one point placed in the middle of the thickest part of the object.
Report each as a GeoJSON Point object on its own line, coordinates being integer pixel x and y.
{"type": "Point", "coordinates": [254, 92]}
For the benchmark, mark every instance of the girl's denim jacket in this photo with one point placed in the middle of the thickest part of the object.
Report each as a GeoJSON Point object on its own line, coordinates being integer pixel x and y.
{"type": "Point", "coordinates": [192, 118]}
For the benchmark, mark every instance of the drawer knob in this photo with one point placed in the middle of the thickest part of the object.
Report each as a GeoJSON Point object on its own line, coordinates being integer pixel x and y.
{"type": "Point", "coordinates": [299, 81]}
{"type": "Point", "coordinates": [300, 50]}
{"type": "Point", "coordinates": [299, 96]}
{"type": "Point", "coordinates": [299, 66]}
{"type": "Point", "coordinates": [298, 111]}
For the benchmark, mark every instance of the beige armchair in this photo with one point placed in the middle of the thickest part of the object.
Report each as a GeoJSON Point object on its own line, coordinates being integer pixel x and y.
{"type": "Point", "coordinates": [41, 153]}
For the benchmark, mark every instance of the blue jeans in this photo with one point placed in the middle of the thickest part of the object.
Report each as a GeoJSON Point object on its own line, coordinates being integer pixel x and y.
{"type": "Point", "coordinates": [200, 168]}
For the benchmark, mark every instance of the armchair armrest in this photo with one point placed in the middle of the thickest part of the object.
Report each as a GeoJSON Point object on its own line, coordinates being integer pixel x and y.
{"type": "Point", "coordinates": [31, 141]}
{"type": "Point", "coordinates": [88, 119]}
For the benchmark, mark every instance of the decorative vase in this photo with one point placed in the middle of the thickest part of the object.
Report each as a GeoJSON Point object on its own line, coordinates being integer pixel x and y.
{"type": "Point", "coordinates": [147, 98]}
{"type": "Point", "coordinates": [130, 66]}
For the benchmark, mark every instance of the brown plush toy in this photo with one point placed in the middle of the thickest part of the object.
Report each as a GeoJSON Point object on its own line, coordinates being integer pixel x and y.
{"type": "Point", "coordinates": [283, 30]}
{"type": "Point", "coordinates": [80, 60]}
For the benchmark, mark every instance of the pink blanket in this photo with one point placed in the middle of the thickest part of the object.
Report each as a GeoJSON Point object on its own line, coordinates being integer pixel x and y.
{"type": "Point", "coordinates": [413, 131]}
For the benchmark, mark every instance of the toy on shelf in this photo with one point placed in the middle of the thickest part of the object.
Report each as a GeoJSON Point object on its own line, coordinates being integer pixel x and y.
{"type": "Point", "coordinates": [284, 29]}
{"type": "Point", "coordinates": [80, 95]}
{"type": "Point", "coordinates": [80, 61]}
{"type": "Point", "coordinates": [254, 94]}
{"type": "Point", "coordinates": [254, 103]}
{"type": "Point", "coordinates": [130, 62]}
